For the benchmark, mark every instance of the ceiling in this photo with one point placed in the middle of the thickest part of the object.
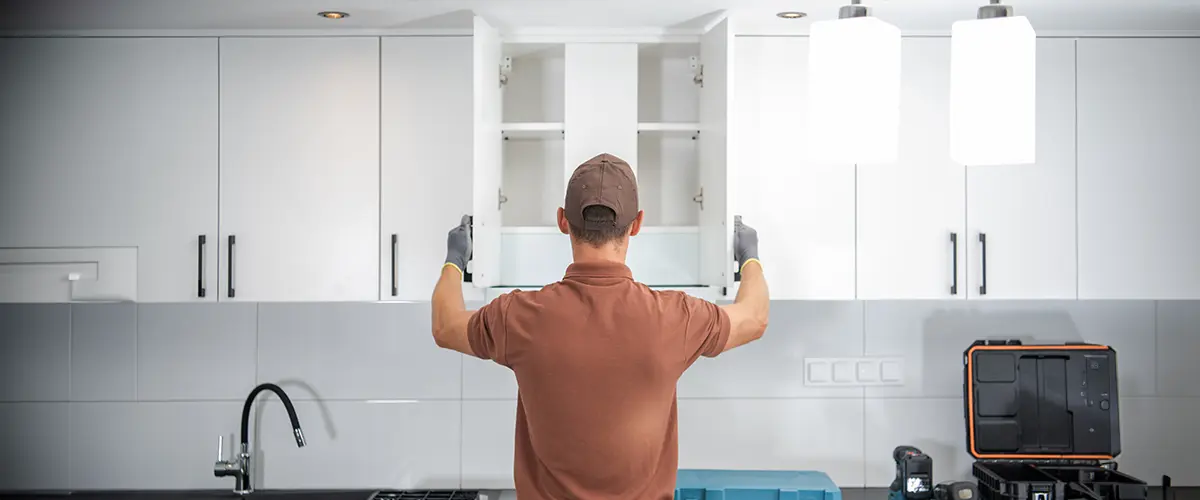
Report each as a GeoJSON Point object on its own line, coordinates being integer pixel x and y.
{"type": "Point", "coordinates": [516, 16]}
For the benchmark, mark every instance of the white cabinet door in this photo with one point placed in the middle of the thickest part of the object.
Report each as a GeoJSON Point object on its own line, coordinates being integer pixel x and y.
{"type": "Point", "coordinates": [427, 158]}
{"type": "Point", "coordinates": [300, 169]}
{"type": "Point", "coordinates": [909, 211]}
{"type": "Point", "coordinates": [1026, 213]}
{"type": "Point", "coordinates": [112, 142]}
{"type": "Point", "coordinates": [803, 211]}
{"type": "Point", "coordinates": [488, 156]}
{"type": "Point", "coordinates": [1139, 215]}
{"type": "Point", "coordinates": [716, 218]}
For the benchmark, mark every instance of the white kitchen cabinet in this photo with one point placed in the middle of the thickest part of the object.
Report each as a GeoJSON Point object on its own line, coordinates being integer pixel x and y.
{"type": "Point", "coordinates": [912, 214]}
{"type": "Point", "coordinates": [554, 116]}
{"type": "Point", "coordinates": [1026, 213]}
{"type": "Point", "coordinates": [428, 153]}
{"type": "Point", "coordinates": [1139, 216]}
{"type": "Point", "coordinates": [108, 150]}
{"type": "Point", "coordinates": [299, 169]}
{"type": "Point", "coordinates": [803, 210]}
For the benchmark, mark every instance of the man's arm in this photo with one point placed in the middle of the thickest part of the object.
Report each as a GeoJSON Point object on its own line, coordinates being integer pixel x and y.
{"type": "Point", "coordinates": [751, 308]}
{"type": "Point", "coordinates": [450, 314]}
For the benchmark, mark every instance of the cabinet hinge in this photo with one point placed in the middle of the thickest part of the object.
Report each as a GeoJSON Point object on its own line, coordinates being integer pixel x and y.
{"type": "Point", "coordinates": [699, 198]}
{"type": "Point", "coordinates": [697, 70]}
{"type": "Point", "coordinates": [505, 70]}
{"type": "Point", "coordinates": [500, 198]}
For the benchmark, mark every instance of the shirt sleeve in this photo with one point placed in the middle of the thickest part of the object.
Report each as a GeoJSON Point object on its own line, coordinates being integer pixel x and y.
{"type": "Point", "coordinates": [487, 332]}
{"type": "Point", "coordinates": [707, 329]}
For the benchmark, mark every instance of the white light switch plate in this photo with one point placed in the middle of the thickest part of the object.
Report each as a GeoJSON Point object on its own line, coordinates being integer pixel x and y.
{"type": "Point", "coordinates": [853, 371]}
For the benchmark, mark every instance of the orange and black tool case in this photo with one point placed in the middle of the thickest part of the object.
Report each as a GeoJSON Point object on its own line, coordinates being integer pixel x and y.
{"type": "Point", "coordinates": [1043, 422]}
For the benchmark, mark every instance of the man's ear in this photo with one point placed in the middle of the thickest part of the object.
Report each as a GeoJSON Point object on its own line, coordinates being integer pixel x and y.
{"type": "Point", "coordinates": [637, 223]}
{"type": "Point", "coordinates": [563, 225]}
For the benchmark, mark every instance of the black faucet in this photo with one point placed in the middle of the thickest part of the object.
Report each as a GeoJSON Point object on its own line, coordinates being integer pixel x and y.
{"type": "Point", "coordinates": [240, 468]}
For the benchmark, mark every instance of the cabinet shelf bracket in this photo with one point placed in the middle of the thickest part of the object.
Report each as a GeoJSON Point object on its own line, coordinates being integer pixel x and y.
{"type": "Point", "coordinates": [697, 70]}
{"type": "Point", "coordinates": [500, 198]}
{"type": "Point", "coordinates": [505, 70]}
{"type": "Point", "coordinates": [699, 198]}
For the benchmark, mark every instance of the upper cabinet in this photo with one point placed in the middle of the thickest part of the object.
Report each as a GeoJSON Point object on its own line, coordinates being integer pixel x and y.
{"type": "Point", "coordinates": [661, 107]}
{"type": "Point", "coordinates": [912, 214]}
{"type": "Point", "coordinates": [803, 210]}
{"type": "Point", "coordinates": [108, 169]}
{"type": "Point", "coordinates": [1020, 237]}
{"type": "Point", "coordinates": [429, 105]}
{"type": "Point", "coordinates": [299, 210]}
{"type": "Point", "coordinates": [1139, 233]}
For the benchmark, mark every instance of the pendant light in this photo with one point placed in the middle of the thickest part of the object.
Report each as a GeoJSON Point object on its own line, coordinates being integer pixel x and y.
{"type": "Point", "coordinates": [992, 88]}
{"type": "Point", "coordinates": [854, 88]}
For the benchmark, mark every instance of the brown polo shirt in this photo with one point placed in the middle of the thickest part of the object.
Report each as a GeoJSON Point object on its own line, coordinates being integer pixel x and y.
{"type": "Point", "coordinates": [597, 356]}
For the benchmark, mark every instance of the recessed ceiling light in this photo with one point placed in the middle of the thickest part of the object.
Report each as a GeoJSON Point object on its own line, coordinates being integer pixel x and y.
{"type": "Point", "coordinates": [333, 14]}
{"type": "Point", "coordinates": [791, 14]}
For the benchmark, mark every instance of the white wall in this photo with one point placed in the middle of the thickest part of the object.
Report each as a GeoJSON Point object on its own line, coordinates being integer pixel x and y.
{"type": "Point", "coordinates": [108, 388]}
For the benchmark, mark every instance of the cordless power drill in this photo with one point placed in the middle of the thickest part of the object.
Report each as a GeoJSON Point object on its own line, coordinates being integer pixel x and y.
{"type": "Point", "coordinates": [914, 475]}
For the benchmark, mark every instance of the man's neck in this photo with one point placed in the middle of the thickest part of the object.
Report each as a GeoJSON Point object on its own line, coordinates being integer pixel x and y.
{"type": "Point", "coordinates": [585, 254]}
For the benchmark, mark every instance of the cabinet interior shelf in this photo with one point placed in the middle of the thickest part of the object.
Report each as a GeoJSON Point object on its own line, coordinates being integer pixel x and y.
{"type": "Point", "coordinates": [673, 128]}
{"type": "Point", "coordinates": [532, 130]}
{"type": "Point", "coordinates": [645, 230]}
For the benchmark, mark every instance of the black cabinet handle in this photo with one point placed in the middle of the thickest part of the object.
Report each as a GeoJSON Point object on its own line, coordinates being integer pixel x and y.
{"type": "Point", "coordinates": [201, 290]}
{"type": "Point", "coordinates": [954, 264]}
{"type": "Point", "coordinates": [467, 277]}
{"type": "Point", "coordinates": [229, 279]}
{"type": "Point", "coordinates": [983, 261]}
{"type": "Point", "coordinates": [395, 277]}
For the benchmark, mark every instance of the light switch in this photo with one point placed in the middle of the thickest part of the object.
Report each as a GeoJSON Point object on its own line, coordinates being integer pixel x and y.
{"type": "Point", "coordinates": [853, 371]}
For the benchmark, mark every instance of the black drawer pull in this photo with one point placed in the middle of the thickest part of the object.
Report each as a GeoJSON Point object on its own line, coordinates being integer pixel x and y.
{"type": "Point", "coordinates": [983, 262]}
{"type": "Point", "coordinates": [954, 264]}
{"type": "Point", "coordinates": [395, 277]}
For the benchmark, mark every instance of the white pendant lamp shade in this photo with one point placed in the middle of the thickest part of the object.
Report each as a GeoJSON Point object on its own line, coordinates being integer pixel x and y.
{"type": "Point", "coordinates": [992, 91]}
{"type": "Point", "coordinates": [854, 91]}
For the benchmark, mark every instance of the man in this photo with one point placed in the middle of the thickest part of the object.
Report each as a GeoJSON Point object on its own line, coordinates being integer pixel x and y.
{"type": "Point", "coordinates": [597, 355]}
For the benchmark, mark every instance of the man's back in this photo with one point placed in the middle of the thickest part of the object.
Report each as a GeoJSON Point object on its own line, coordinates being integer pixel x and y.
{"type": "Point", "coordinates": [597, 357]}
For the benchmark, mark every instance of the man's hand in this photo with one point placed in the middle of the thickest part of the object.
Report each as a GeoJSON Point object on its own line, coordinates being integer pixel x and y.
{"type": "Point", "coordinates": [745, 243]}
{"type": "Point", "coordinates": [458, 245]}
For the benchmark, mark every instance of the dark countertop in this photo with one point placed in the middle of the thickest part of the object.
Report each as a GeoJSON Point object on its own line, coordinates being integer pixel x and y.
{"type": "Point", "coordinates": [194, 495]}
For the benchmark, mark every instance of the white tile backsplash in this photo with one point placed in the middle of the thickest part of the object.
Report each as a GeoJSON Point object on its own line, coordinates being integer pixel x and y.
{"type": "Point", "coordinates": [359, 444]}
{"type": "Point", "coordinates": [790, 434]}
{"type": "Point", "coordinates": [773, 367]}
{"type": "Point", "coordinates": [196, 351]}
{"type": "Point", "coordinates": [356, 351]}
{"type": "Point", "coordinates": [34, 446]}
{"type": "Point", "coordinates": [383, 407]}
{"type": "Point", "coordinates": [488, 440]}
{"type": "Point", "coordinates": [150, 445]}
{"type": "Point", "coordinates": [933, 425]}
{"type": "Point", "coordinates": [104, 352]}
{"type": "Point", "coordinates": [932, 336]}
{"type": "Point", "coordinates": [1178, 357]}
{"type": "Point", "coordinates": [35, 352]}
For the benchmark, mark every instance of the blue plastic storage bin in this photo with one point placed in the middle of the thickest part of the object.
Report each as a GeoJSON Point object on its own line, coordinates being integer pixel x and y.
{"type": "Point", "coordinates": [755, 485]}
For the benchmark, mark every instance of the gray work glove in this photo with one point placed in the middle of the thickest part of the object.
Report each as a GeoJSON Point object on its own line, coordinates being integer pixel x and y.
{"type": "Point", "coordinates": [458, 245]}
{"type": "Point", "coordinates": [745, 243]}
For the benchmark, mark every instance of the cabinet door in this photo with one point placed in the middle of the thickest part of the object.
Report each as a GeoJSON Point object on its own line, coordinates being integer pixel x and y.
{"type": "Point", "coordinates": [1139, 216]}
{"type": "Point", "coordinates": [112, 142]}
{"type": "Point", "coordinates": [1027, 212]}
{"type": "Point", "coordinates": [300, 169]}
{"type": "Point", "coordinates": [488, 156]}
{"type": "Point", "coordinates": [909, 211]}
{"type": "Point", "coordinates": [716, 219]}
{"type": "Point", "coordinates": [427, 158]}
{"type": "Point", "coordinates": [803, 211]}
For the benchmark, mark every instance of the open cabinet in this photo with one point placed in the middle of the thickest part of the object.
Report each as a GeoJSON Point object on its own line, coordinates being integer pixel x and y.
{"type": "Point", "coordinates": [661, 107]}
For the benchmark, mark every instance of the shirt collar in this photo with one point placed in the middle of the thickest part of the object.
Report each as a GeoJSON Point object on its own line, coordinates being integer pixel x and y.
{"type": "Point", "coordinates": [598, 270]}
